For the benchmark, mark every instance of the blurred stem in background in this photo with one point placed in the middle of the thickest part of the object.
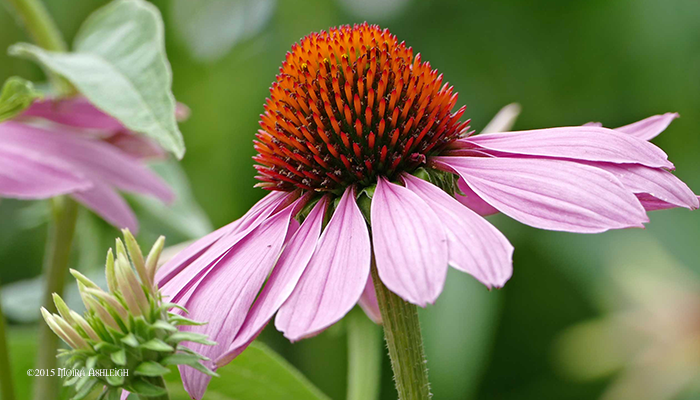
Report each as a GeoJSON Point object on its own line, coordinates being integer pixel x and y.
{"type": "Point", "coordinates": [6, 387]}
{"type": "Point", "coordinates": [45, 33]}
{"type": "Point", "coordinates": [405, 342]}
{"type": "Point", "coordinates": [64, 214]}
{"type": "Point", "coordinates": [364, 357]}
{"type": "Point", "coordinates": [43, 30]}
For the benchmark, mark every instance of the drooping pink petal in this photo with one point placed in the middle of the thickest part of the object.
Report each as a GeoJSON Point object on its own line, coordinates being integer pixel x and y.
{"type": "Point", "coordinates": [124, 395]}
{"type": "Point", "coordinates": [109, 205]}
{"type": "Point", "coordinates": [139, 146]}
{"type": "Point", "coordinates": [181, 274]}
{"type": "Point", "coordinates": [76, 112]}
{"type": "Point", "coordinates": [282, 281]}
{"type": "Point", "coordinates": [94, 158]}
{"type": "Point", "coordinates": [225, 294]}
{"type": "Point", "coordinates": [410, 244]}
{"type": "Point", "coordinates": [474, 245]}
{"type": "Point", "coordinates": [649, 128]}
{"type": "Point", "coordinates": [651, 203]}
{"type": "Point", "coordinates": [472, 200]}
{"type": "Point", "coordinates": [587, 143]}
{"type": "Point", "coordinates": [368, 302]}
{"type": "Point", "coordinates": [550, 194]}
{"type": "Point", "coordinates": [25, 174]}
{"type": "Point", "coordinates": [655, 182]}
{"type": "Point", "coordinates": [335, 276]}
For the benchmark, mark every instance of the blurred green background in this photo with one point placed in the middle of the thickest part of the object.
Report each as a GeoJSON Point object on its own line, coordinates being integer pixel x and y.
{"type": "Point", "coordinates": [565, 62]}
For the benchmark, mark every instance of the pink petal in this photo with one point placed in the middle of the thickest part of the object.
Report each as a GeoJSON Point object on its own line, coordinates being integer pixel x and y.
{"type": "Point", "coordinates": [588, 143]}
{"type": "Point", "coordinates": [74, 111]}
{"type": "Point", "coordinates": [109, 205]}
{"type": "Point", "coordinates": [474, 245]}
{"type": "Point", "coordinates": [138, 146]}
{"type": "Point", "coordinates": [334, 278]}
{"type": "Point", "coordinates": [225, 294]}
{"type": "Point", "coordinates": [651, 203]}
{"type": "Point", "coordinates": [649, 128]}
{"type": "Point", "coordinates": [656, 182]}
{"type": "Point", "coordinates": [185, 270]}
{"type": "Point", "coordinates": [94, 158]}
{"type": "Point", "coordinates": [282, 281]}
{"type": "Point", "coordinates": [410, 244]}
{"type": "Point", "coordinates": [472, 200]}
{"type": "Point", "coordinates": [368, 302]}
{"type": "Point", "coordinates": [25, 174]}
{"type": "Point", "coordinates": [124, 395]}
{"type": "Point", "coordinates": [550, 194]}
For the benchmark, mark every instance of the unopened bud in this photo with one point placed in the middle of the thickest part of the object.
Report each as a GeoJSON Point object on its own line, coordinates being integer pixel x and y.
{"type": "Point", "coordinates": [136, 257]}
{"type": "Point", "coordinates": [62, 308]}
{"type": "Point", "coordinates": [152, 259]}
{"type": "Point", "coordinates": [81, 322]}
{"type": "Point", "coordinates": [109, 272]}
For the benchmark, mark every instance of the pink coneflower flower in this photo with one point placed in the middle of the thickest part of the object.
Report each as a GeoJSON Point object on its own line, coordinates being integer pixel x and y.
{"type": "Point", "coordinates": [70, 147]}
{"type": "Point", "coordinates": [363, 155]}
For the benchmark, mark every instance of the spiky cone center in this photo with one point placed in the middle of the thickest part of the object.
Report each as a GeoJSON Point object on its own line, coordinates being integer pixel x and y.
{"type": "Point", "coordinates": [349, 105]}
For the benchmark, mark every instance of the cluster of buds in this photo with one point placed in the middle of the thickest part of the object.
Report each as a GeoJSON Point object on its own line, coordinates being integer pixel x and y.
{"type": "Point", "coordinates": [127, 328]}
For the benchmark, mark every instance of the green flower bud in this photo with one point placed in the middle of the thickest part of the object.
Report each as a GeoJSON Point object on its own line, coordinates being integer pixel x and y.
{"type": "Point", "coordinates": [127, 327]}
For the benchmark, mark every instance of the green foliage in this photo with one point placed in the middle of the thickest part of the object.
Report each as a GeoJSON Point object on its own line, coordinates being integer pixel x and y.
{"type": "Point", "coordinates": [258, 373]}
{"type": "Point", "coordinates": [119, 63]}
{"type": "Point", "coordinates": [17, 94]}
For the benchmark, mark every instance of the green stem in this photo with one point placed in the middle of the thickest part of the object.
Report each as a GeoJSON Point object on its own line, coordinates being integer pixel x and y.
{"type": "Point", "coordinates": [61, 230]}
{"type": "Point", "coordinates": [43, 30]}
{"type": "Point", "coordinates": [364, 357]}
{"type": "Point", "coordinates": [404, 341]}
{"type": "Point", "coordinates": [6, 387]}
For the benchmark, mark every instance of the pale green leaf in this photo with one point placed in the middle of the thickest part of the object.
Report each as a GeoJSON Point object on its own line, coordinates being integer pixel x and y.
{"type": "Point", "coordinates": [151, 368]}
{"type": "Point", "coordinates": [17, 94]}
{"type": "Point", "coordinates": [119, 63]}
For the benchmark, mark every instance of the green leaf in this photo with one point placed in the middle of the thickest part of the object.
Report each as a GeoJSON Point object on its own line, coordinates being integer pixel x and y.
{"type": "Point", "coordinates": [151, 368]}
{"type": "Point", "coordinates": [157, 345]}
{"type": "Point", "coordinates": [260, 373]}
{"type": "Point", "coordinates": [119, 63]}
{"type": "Point", "coordinates": [160, 324]}
{"type": "Point", "coordinates": [119, 357]}
{"type": "Point", "coordinates": [85, 389]}
{"type": "Point", "coordinates": [188, 359]}
{"type": "Point", "coordinates": [17, 94]}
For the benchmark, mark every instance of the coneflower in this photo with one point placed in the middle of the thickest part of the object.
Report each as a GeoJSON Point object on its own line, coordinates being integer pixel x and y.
{"type": "Point", "coordinates": [364, 155]}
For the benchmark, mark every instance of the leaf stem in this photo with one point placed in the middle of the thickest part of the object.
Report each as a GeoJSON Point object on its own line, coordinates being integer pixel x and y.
{"type": "Point", "coordinates": [404, 341]}
{"type": "Point", "coordinates": [364, 357]}
{"type": "Point", "coordinates": [43, 30]}
{"type": "Point", "coordinates": [61, 230]}
{"type": "Point", "coordinates": [7, 389]}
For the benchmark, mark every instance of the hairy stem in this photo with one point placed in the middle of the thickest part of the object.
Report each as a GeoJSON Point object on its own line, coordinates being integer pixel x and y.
{"type": "Point", "coordinates": [61, 230]}
{"type": "Point", "coordinates": [404, 341]}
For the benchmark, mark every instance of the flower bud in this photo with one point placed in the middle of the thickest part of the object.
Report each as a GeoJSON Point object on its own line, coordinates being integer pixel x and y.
{"type": "Point", "coordinates": [127, 327]}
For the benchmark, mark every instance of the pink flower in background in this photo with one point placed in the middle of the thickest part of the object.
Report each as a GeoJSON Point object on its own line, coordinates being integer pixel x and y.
{"type": "Point", "coordinates": [70, 147]}
{"type": "Point", "coordinates": [366, 142]}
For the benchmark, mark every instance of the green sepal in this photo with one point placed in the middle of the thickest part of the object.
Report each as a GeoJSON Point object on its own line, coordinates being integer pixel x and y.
{"type": "Point", "coordinates": [190, 351]}
{"type": "Point", "coordinates": [119, 357]}
{"type": "Point", "coordinates": [114, 380]}
{"type": "Point", "coordinates": [151, 368]}
{"type": "Point", "coordinates": [160, 324]}
{"type": "Point", "coordinates": [189, 337]}
{"type": "Point", "coordinates": [86, 389]}
{"type": "Point", "coordinates": [130, 340]}
{"type": "Point", "coordinates": [188, 359]}
{"type": "Point", "coordinates": [17, 95]}
{"type": "Point", "coordinates": [157, 345]}
{"type": "Point", "coordinates": [144, 388]}
{"type": "Point", "coordinates": [168, 306]}
{"type": "Point", "coordinates": [180, 320]}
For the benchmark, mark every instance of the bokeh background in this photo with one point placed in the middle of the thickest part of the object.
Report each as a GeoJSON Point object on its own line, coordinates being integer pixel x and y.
{"type": "Point", "coordinates": [565, 62]}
